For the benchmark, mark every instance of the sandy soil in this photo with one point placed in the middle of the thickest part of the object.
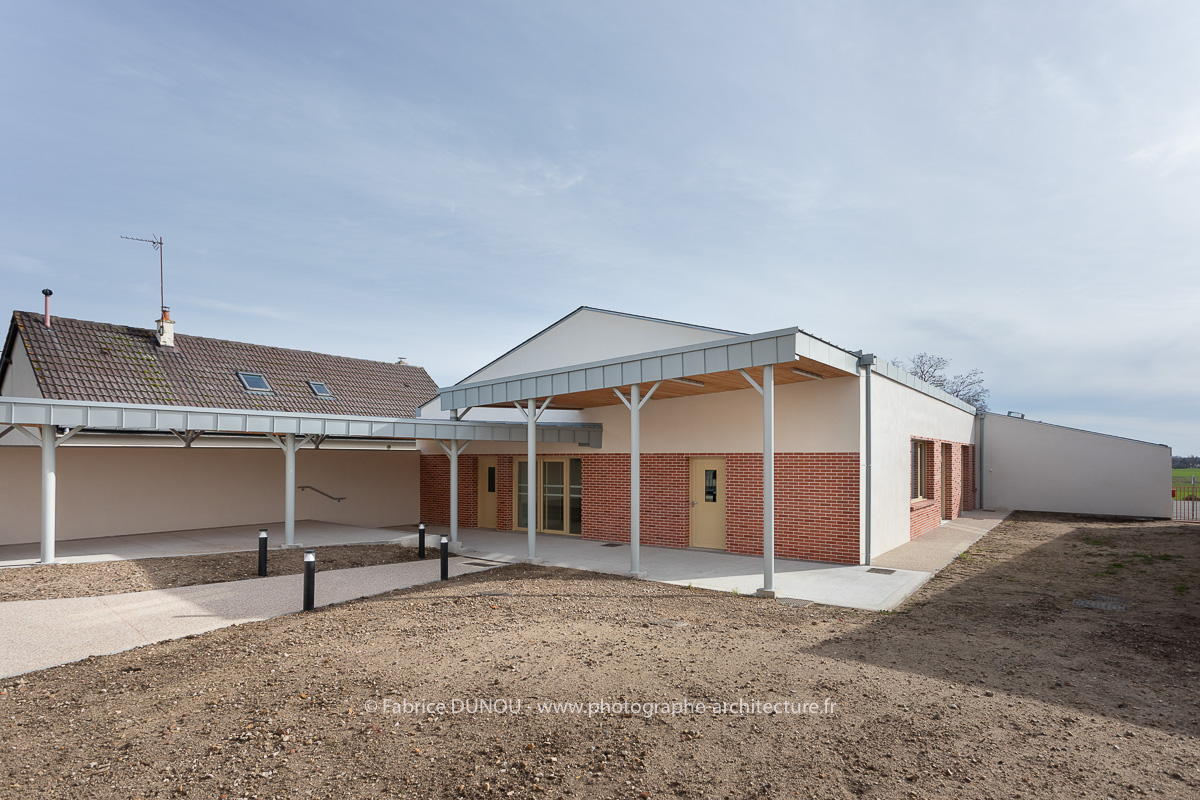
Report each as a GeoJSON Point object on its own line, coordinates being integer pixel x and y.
{"type": "Point", "coordinates": [990, 683]}
{"type": "Point", "coordinates": [45, 582]}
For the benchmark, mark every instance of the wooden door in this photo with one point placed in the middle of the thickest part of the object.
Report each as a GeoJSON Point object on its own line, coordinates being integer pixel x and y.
{"type": "Point", "coordinates": [708, 503]}
{"type": "Point", "coordinates": [487, 492]}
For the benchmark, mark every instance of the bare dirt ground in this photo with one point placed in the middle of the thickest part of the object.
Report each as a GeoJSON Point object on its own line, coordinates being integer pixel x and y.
{"type": "Point", "coordinates": [46, 582]}
{"type": "Point", "coordinates": [990, 683]}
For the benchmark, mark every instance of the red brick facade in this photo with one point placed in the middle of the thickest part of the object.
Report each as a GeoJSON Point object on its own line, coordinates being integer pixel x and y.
{"type": "Point", "coordinates": [958, 461]}
{"type": "Point", "coordinates": [816, 500]}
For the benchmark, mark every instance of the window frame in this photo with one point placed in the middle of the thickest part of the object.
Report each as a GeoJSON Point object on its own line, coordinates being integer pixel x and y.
{"type": "Point", "coordinates": [919, 471]}
{"type": "Point", "coordinates": [327, 394]}
{"type": "Point", "coordinates": [243, 376]}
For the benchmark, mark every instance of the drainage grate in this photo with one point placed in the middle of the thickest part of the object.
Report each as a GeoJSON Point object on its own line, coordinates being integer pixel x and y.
{"type": "Point", "coordinates": [479, 563]}
{"type": "Point", "coordinates": [611, 544]}
{"type": "Point", "coordinates": [881, 571]}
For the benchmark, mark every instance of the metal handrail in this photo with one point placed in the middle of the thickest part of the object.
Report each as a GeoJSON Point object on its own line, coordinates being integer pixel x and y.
{"type": "Point", "coordinates": [318, 491]}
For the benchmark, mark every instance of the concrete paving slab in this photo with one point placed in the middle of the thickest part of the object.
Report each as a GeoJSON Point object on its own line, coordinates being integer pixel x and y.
{"type": "Point", "coordinates": [820, 582]}
{"type": "Point", "coordinates": [932, 551]}
{"type": "Point", "coordinates": [35, 634]}
{"type": "Point", "coordinates": [309, 533]}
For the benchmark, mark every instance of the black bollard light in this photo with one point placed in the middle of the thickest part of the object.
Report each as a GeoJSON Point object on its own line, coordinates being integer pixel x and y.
{"type": "Point", "coordinates": [445, 558]}
{"type": "Point", "coordinates": [262, 552]}
{"type": "Point", "coordinates": [310, 579]}
{"type": "Point", "coordinates": [421, 540]}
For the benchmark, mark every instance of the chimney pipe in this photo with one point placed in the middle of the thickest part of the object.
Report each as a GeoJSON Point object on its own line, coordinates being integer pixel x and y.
{"type": "Point", "coordinates": [47, 292]}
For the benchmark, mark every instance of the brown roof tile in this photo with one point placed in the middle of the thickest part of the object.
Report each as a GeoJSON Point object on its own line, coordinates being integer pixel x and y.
{"type": "Point", "coordinates": [95, 361]}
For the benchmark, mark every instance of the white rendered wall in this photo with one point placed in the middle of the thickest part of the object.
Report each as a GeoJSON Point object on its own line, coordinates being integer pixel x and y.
{"type": "Point", "coordinates": [584, 336]}
{"type": "Point", "coordinates": [1034, 466]}
{"type": "Point", "coordinates": [112, 491]}
{"type": "Point", "coordinates": [899, 414]}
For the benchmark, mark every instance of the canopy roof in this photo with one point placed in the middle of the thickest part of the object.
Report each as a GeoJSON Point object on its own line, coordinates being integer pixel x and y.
{"type": "Point", "coordinates": [128, 417]}
{"type": "Point", "coordinates": [703, 368]}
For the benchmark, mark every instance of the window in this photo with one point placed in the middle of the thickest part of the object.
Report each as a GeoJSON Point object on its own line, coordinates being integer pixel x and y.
{"type": "Point", "coordinates": [319, 389]}
{"type": "Point", "coordinates": [920, 476]}
{"type": "Point", "coordinates": [254, 382]}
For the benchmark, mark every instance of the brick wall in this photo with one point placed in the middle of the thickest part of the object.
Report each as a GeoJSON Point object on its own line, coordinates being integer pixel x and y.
{"type": "Point", "coordinates": [927, 514]}
{"type": "Point", "coordinates": [435, 489]}
{"type": "Point", "coordinates": [816, 500]}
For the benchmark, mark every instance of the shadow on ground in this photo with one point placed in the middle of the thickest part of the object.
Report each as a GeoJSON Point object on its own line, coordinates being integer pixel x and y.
{"type": "Point", "coordinates": [1011, 616]}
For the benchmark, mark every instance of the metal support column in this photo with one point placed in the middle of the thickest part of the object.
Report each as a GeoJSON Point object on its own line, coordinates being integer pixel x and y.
{"type": "Point", "coordinates": [452, 452]}
{"type": "Point", "coordinates": [634, 404]}
{"type": "Point", "coordinates": [767, 390]}
{"type": "Point", "coordinates": [49, 488]}
{"type": "Point", "coordinates": [289, 489]}
{"type": "Point", "coordinates": [532, 415]}
{"type": "Point", "coordinates": [768, 393]}
{"type": "Point", "coordinates": [531, 478]}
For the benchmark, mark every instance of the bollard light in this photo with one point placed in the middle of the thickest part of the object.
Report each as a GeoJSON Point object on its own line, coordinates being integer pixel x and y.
{"type": "Point", "coordinates": [445, 558]}
{"type": "Point", "coordinates": [421, 540]}
{"type": "Point", "coordinates": [310, 578]}
{"type": "Point", "coordinates": [262, 552]}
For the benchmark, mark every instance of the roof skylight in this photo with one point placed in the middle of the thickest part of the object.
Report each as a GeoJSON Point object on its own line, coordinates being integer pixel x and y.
{"type": "Point", "coordinates": [254, 382]}
{"type": "Point", "coordinates": [320, 389]}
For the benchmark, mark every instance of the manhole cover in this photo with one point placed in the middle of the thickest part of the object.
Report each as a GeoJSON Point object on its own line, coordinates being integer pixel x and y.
{"type": "Point", "coordinates": [881, 571]}
{"type": "Point", "coordinates": [611, 544]}
{"type": "Point", "coordinates": [1102, 605]}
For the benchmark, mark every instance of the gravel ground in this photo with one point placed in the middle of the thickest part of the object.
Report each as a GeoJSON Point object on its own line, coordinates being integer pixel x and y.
{"type": "Point", "coordinates": [46, 582]}
{"type": "Point", "coordinates": [990, 683]}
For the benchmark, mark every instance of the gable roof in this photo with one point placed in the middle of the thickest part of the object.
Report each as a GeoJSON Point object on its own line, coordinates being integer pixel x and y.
{"type": "Point", "coordinates": [96, 361]}
{"type": "Point", "coordinates": [721, 331]}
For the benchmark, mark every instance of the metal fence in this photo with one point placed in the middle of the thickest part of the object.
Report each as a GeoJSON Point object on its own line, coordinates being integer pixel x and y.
{"type": "Point", "coordinates": [1186, 499]}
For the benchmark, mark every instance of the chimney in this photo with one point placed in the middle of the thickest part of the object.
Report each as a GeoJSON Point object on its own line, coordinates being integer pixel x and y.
{"type": "Point", "coordinates": [47, 292]}
{"type": "Point", "coordinates": [165, 332]}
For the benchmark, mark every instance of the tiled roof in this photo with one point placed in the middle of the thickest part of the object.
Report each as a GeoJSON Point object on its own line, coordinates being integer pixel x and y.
{"type": "Point", "coordinates": [79, 360]}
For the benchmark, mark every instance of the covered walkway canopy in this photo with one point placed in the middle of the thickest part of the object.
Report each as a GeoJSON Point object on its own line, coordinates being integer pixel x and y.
{"type": "Point", "coordinates": [759, 360]}
{"type": "Point", "coordinates": [51, 423]}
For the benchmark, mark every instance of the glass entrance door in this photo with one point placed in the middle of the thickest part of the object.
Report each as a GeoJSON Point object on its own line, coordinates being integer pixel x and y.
{"type": "Point", "coordinates": [560, 495]}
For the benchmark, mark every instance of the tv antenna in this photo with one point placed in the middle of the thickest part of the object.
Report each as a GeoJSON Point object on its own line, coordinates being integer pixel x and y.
{"type": "Point", "coordinates": [158, 245]}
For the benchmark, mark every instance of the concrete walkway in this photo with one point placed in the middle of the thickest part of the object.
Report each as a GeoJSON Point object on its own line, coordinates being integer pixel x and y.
{"type": "Point", "coordinates": [35, 634]}
{"type": "Point", "coordinates": [899, 572]}
{"type": "Point", "coordinates": [309, 533]}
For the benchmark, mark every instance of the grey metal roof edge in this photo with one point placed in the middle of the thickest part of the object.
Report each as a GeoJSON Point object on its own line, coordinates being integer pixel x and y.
{"type": "Point", "coordinates": [130, 416]}
{"type": "Point", "coordinates": [700, 358]}
{"type": "Point", "coordinates": [889, 370]}
{"type": "Point", "coordinates": [1077, 430]}
{"type": "Point", "coordinates": [560, 321]}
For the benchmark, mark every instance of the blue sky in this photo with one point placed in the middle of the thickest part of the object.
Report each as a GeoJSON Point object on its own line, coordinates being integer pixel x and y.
{"type": "Point", "coordinates": [1015, 186]}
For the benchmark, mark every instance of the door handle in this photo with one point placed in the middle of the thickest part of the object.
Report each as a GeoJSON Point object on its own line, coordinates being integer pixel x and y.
{"type": "Point", "coordinates": [693, 504]}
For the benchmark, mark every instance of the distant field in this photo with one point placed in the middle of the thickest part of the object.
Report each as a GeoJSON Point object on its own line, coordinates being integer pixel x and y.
{"type": "Point", "coordinates": [1186, 474]}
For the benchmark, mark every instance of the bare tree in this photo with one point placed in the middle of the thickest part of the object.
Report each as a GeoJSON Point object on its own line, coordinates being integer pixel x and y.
{"type": "Point", "coordinates": [967, 387]}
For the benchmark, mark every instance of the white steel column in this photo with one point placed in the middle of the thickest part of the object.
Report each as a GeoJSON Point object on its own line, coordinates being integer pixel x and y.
{"type": "Point", "coordinates": [768, 393]}
{"type": "Point", "coordinates": [49, 487]}
{"type": "Point", "coordinates": [531, 477]}
{"type": "Point", "coordinates": [453, 452]}
{"type": "Point", "coordinates": [289, 489]}
{"type": "Point", "coordinates": [634, 404]}
{"type": "Point", "coordinates": [635, 478]}
{"type": "Point", "coordinates": [453, 490]}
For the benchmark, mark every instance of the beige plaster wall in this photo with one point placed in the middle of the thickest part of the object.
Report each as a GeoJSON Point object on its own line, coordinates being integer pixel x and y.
{"type": "Point", "coordinates": [106, 491]}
